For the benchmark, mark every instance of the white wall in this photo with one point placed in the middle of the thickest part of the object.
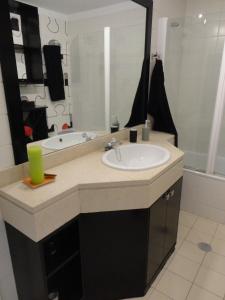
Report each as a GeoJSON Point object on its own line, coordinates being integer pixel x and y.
{"type": "Point", "coordinates": [169, 9]}
{"type": "Point", "coordinates": [6, 153]}
{"type": "Point", "coordinates": [7, 284]}
{"type": "Point", "coordinates": [204, 195]}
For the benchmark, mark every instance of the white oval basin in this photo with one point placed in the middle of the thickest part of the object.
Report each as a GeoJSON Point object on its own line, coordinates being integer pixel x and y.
{"type": "Point", "coordinates": [136, 157]}
{"type": "Point", "coordinates": [63, 141]}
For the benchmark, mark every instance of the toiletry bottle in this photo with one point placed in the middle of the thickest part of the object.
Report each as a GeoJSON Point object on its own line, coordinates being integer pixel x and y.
{"type": "Point", "coordinates": [146, 131]}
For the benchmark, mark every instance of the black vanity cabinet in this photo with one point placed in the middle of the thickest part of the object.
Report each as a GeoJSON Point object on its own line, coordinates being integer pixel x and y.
{"type": "Point", "coordinates": [163, 226]}
{"type": "Point", "coordinates": [98, 256]}
{"type": "Point", "coordinates": [122, 252]}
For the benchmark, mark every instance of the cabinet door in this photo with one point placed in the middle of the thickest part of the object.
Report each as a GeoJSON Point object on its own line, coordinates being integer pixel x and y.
{"type": "Point", "coordinates": [156, 238]}
{"type": "Point", "coordinates": [114, 254]}
{"type": "Point", "coordinates": [172, 217]}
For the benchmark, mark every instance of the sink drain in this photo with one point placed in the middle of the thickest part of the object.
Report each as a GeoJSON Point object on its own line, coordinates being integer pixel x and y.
{"type": "Point", "coordinates": [205, 247]}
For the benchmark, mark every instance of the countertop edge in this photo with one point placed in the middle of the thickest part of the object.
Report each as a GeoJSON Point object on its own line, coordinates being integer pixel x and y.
{"type": "Point", "coordinates": [94, 186]}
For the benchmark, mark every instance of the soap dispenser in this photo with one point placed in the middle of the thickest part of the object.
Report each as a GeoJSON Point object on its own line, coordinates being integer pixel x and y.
{"type": "Point", "coordinates": [146, 131]}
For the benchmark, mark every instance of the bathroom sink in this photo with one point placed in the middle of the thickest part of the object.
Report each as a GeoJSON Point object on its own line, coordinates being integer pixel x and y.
{"type": "Point", "coordinates": [136, 157]}
{"type": "Point", "coordinates": [62, 141]}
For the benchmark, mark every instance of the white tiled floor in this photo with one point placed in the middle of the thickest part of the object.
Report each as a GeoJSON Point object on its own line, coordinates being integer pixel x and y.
{"type": "Point", "coordinates": [192, 274]}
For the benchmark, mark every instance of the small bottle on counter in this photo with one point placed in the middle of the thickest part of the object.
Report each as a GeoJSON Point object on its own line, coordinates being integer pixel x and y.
{"type": "Point", "coordinates": [146, 131]}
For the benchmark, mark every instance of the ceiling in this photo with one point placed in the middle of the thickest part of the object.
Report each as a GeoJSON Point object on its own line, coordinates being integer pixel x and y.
{"type": "Point", "coordinates": [71, 6]}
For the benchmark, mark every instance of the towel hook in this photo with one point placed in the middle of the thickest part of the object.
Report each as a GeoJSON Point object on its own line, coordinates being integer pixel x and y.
{"type": "Point", "coordinates": [155, 56]}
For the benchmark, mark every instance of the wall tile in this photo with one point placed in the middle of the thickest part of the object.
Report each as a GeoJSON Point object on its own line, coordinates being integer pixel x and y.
{"type": "Point", "coordinates": [6, 157]}
{"type": "Point", "coordinates": [5, 138]}
{"type": "Point", "coordinates": [3, 109]}
{"type": "Point", "coordinates": [7, 282]}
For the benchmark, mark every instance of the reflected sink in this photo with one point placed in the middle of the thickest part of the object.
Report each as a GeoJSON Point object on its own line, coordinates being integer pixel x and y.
{"type": "Point", "coordinates": [63, 141]}
{"type": "Point", "coordinates": [136, 157]}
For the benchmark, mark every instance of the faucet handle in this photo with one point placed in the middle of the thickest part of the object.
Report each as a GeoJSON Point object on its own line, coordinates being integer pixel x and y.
{"type": "Point", "coordinates": [108, 146]}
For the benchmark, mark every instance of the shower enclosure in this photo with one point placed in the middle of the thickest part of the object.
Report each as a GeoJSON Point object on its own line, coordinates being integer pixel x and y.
{"type": "Point", "coordinates": [193, 52]}
{"type": "Point", "coordinates": [195, 75]}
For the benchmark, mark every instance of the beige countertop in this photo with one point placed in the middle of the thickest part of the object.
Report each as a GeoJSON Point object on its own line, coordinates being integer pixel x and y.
{"type": "Point", "coordinates": [87, 172]}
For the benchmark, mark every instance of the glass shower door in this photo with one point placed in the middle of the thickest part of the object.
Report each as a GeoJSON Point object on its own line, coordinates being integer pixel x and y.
{"type": "Point", "coordinates": [220, 156]}
{"type": "Point", "coordinates": [193, 58]}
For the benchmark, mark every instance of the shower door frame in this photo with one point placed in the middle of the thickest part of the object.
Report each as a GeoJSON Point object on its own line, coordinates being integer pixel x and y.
{"type": "Point", "coordinates": [217, 120]}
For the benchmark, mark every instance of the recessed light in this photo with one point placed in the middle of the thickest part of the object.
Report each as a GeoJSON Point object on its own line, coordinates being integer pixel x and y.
{"type": "Point", "coordinates": [200, 16]}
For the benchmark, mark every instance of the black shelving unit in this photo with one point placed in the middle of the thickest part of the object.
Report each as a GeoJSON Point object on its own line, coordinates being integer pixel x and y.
{"type": "Point", "coordinates": [51, 265]}
{"type": "Point", "coordinates": [31, 42]}
{"type": "Point", "coordinates": [67, 281]}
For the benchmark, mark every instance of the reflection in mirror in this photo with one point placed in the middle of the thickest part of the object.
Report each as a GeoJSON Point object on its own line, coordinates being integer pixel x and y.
{"type": "Point", "coordinates": [79, 64]}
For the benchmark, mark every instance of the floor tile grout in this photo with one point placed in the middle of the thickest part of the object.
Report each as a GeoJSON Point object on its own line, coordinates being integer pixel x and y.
{"type": "Point", "coordinates": [201, 264]}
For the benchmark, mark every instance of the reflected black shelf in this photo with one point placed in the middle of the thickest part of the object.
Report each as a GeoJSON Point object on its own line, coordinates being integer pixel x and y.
{"type": "Point", "coordinates": [26, 81]}
{"type": "Point", "coordinates": [22, 48]}
{"type": "Point", "coordinates": [35, 108]}
{"type": "Point", "coordinates": [18, 47]}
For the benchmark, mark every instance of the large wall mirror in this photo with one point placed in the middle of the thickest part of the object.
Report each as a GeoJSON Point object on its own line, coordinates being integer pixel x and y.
{"type": "Point", "coordinates": [72, 69]}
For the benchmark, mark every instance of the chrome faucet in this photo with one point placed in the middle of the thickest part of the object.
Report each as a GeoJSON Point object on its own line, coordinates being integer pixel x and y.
{"type": "Point", "coordinates": [114, 144]}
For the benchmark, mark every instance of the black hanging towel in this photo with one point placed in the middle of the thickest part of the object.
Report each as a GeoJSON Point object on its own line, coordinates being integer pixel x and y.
{"type": "Point", "coordinates": [55, 81]}
{"type": "Point", "coordinates": [140, 106]}
{"type": "Point", "coordinates": [158, 106]}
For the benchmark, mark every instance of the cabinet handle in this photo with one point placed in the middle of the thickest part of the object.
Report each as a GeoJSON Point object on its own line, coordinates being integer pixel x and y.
{"type": "Point", "coordinates": [172, 193]}
{"type": "Point", "coordinates": [53, 252]}
{"type": "Point", "coordinates": [166, 196]}
{"type": "Point", "coordinates": [52, 249]}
